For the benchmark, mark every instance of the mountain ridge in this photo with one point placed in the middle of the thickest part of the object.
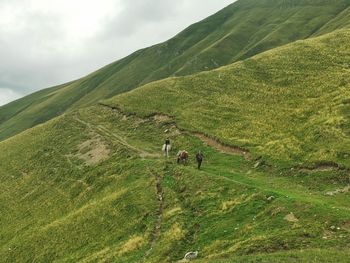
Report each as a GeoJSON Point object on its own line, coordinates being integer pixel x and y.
{"type": "Point", "coordinates": [239, 31]}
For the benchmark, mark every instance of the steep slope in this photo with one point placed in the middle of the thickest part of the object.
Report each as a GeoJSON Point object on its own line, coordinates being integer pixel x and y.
{"type": "Point", "coordinates": [289, 105]}
{"type": "Point", "coordinates": [239, 31]}
{"type": "Point", "coordinates": [94, 188]}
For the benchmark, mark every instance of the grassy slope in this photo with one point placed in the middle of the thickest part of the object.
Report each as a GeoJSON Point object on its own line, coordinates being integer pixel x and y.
{"type": "Point", "coordinates": [55, 208]}
{"type": "Point", "coordinates": [289, 105]}
{"type": "Point", "coordinates": [239, 31]}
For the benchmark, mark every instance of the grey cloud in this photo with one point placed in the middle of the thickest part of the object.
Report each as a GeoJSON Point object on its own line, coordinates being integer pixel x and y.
{"type": "Point", "coordinates": [38, 53]}
{"type": "Point", "coordinates": [7, 95]}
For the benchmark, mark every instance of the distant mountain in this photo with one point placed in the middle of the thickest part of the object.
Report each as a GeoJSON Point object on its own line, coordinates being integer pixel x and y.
{"type": "Point", "coordinates": [239, 31]}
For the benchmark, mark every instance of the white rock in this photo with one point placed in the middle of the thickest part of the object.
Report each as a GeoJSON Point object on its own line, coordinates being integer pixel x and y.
{"type": "Point", "coordinates": [291, 218]}
{"type": "Point", "coordinates": [191, 255]}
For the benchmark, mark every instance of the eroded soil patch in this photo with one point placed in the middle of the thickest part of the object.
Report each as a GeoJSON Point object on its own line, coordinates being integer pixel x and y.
{"type": "Point", "coordinates": [93, 151]}
{"type": "Point", "coordinates": [222, 147]}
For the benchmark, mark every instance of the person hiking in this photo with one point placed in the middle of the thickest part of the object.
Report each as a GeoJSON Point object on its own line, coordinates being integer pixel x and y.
{"type": "Point", "coordinates": [199, 158]}
{"type": "Point", "coordinates": [167, 147]}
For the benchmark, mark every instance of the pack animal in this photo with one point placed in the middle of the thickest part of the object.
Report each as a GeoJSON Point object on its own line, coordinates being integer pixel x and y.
{"type": "Point", "coordinates": [182, 157]}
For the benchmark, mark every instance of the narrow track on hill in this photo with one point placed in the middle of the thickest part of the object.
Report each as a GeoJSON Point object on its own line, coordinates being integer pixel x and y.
{"type": "Point", "coordinates": [212, 142]}
{"type": "Point", "coordinates": [290, 194]}
{"type": "Point", "coordinates": [120, 139]}
{"type": "Point", "coordinates": [158, 225]}
{"type": "Point", "coordinates": [223, 147]}
{"type": "Point", "coordinates": [228, 149]}
{"type": "Point", "coordinates": [323, 167]}
{"type": "Point", "coordinates": [116, 137]}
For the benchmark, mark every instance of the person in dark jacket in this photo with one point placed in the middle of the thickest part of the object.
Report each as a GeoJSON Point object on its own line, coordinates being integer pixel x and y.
{"type": "Point", "coordinates": [199, 158]}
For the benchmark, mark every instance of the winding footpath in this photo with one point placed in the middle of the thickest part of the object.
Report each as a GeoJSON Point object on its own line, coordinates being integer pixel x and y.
{"type": "Point", "coordinates": [158, 225]}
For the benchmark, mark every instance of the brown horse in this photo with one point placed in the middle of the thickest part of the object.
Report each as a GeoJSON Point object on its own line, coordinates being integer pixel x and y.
{"type": "Point", "coordinates": [182, 157]}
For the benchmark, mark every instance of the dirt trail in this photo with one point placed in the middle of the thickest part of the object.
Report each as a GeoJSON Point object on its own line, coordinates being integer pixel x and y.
{"type": "Point", "coordinates": [320, 168]}
{"type": "Point", "coordinates": [222, 147]}
{"type": "Point", "coordinates": [121, 140]}
{"type": "Point", "coordinates": [229, 149]}
{"type": "Point", "coordinates": [289, 194]}
{"type": "Point", "coordinates": [104, 131]}
{"type": "Point", "coordinates": [157, 228]}
{"type": "Point", "coordinates": [204, 138]}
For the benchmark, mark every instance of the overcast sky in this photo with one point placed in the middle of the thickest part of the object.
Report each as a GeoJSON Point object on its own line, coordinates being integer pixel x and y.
{"type": "Point", "coordinates": [48, 42]}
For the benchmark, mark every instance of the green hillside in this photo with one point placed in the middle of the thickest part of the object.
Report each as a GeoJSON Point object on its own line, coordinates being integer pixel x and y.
{"type": "Point", "coordinates": [94, 187]}
{"type": "Point", "coordinates": [241, 30]}
{"type": "Point", "coordinates": [289, 105]}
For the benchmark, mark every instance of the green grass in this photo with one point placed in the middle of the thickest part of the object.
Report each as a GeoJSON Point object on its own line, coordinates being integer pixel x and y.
{"type": "Point", "coordinates": [312, 256]}
{"type": "Point", "coordinates": [55, 208]}
{"type": "Point", "coordinates": [85, 186]}
{"type": "Point", "coordinates": [289, 105]}
{"type": "Point", "coordinates": [241, 30]}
